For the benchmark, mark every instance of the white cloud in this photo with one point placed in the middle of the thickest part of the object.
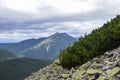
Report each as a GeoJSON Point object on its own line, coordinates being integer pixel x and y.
{"type": "Point", "coordinates": [22, 5]}
{"type": "Point", "coordinates": [37, 6]}
{"type": "Point", "coordinates": [37, 18]}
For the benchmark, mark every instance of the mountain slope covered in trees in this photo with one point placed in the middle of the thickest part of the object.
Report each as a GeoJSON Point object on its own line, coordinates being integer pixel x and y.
{"type": "Point", "coordinates": [4, 54]}
{"type": "Point", "coordinates": [18, 69]}
{"type": "Point", "coordinates": [100, 40]}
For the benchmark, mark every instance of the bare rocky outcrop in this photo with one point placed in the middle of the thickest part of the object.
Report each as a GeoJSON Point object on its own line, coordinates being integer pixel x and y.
{"type": "Point", "coordinates": [104, 67]}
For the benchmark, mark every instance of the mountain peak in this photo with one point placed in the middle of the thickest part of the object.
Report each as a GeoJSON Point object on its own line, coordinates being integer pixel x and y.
{"type": "Point", "coordinates": [50, 47]}
{"type": "Point", "coordinates": [57, 34]}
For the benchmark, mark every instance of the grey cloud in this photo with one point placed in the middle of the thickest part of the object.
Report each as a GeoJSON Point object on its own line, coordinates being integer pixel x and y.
{"type": "Point", "coordinates": [11, 21]}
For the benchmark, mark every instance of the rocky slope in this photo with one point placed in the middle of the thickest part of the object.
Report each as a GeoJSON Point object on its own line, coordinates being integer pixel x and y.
{"type": "Point", "coordinates": [104, 67]}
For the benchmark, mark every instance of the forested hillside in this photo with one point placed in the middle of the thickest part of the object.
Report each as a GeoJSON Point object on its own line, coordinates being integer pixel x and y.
{"type": "Point", "coordinates": [18, 69]}
{"type": "Point", "coordinates": [100, 40]}
{"type": "Point", "coordinates": [4, 54]}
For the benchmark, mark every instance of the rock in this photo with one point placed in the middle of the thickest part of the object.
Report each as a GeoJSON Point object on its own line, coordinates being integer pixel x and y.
{"type": "Point", "coordinates": [96, 66]}
{"type": "Point", "coordinates": [95, 76]}
{"type": "Point", "coordinates": [59, 76]}
{"type": "Point", "coordinates": [114, 71]}
{"type": "Point", "coordinates": [65, 76]}
{"type": "Point", "coordinates": [116, 55]}
{"type": "Point", "coordinates": [72, 70]}
{"type": "Point", "coordinates": [115, 78]}
{"type": "Point", "coordinates": [57, 62]}
{"type": "Point", "coordinates": [99, 66]}
{"type": "Point", "coordinates": [101, 78]}
{"type": "Point", "coordinates": [68, 79]}
{"type": "Point", "coordinates": [119, 63]}
{"type": "Point", "coordinates": [93, 71]}
{"type": "Point", "coordinates": [109, 65]}
{"type": "Point", "coordinates": [52, 79]}
{"type": "Point", "coordinates": [108, 54]}
{"type": "Point", "coordinates": [78, 74]}
{"type": "Point", "coordinates": [118, 76]}
{"type": "Point", "coordinates": [85, 66]}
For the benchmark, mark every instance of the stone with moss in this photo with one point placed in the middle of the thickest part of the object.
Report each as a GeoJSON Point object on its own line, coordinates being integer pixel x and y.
{"type": "Point", "coordinates": [65, 76]}
{"type": "Point", "coordinates": [94, 71]}
{"type": "Point", "coordinates": [114, 71]}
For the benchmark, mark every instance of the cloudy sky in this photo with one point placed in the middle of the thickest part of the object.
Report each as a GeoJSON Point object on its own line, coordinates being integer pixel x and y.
{"type": "Point", "coordinates": [23, 19]}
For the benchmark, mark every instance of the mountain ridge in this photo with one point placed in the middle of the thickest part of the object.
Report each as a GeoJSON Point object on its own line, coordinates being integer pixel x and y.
{"type": "Point", "coordinates": [51, 46]}
{"type": "Point", "coordinates": [41, 47]}
{"type": "Point", "coordinates": [15, 48]}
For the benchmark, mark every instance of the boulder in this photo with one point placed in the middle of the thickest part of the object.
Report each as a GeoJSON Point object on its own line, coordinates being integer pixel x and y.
{"type": "Point", "coordinates": [109, 65]}
{"type": "Point", "coordinates": [57, 62]}
{"type": "Point", "coordinates": [114, 71]}
{"type": "Point", "coordinates": [95, 76]}
{"type": "Point", "coordinates": [65, 76]}
{"type": "Point", "coordinates": [78, 74]}
{"type": "Point", "coordinates": [118, 76]}
{"type": "Point", "coordinates": [93, 71]}
{"type": "Point", "coordinates": [99, 66]}
{"type": "Point", "coordinates": [119, 63]}
{"type": "Point", "coordinates": [116, 55]}
{"type": "Point", "coordinates": [108, 54]}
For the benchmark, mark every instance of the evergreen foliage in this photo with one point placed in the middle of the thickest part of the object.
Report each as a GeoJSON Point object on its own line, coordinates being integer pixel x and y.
{"type": "Point", "coordinates": [100, 40]}
{"type": "Point", "coordinates": [4, 54]}
{"type": "Point", "coordinates": [20, 68]}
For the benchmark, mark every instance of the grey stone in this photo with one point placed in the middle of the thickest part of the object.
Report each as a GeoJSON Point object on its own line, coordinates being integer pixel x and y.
{"type": "Point", "coordinates": [108, 54]}
{"type": "Point", "coordinates": [118, 76]}
{"type": "Point", "coordinates": [99, 66]}
{"type": "Point", "coordinates": [116, 55]}
{"type": "Point", "coordinates": [109, 65]}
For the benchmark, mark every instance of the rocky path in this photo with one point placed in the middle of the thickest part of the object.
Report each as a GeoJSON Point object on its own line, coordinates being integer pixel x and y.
{"type": "Point", "coordinates": [104, 67]}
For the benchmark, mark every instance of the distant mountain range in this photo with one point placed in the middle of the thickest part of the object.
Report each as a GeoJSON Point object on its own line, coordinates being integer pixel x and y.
{"type": "Point", "coordinates": [15, 62]}
{"type": "Point", "coordinates": [16, 48]}
{"type": "Point", "coordinates": [42, 48]}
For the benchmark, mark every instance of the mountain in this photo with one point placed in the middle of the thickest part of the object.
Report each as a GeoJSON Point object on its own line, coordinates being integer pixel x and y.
{"type": "Point", "coordinates": [50, 47]}
{"type": "Point", "coordinates": [42, 48]}
{"type": "Point", "coordinates": [16, 48]}
{"type": "Point", "coordinates": [4, 54]}
{"type": "Point", "coordinates": [103, 67]}
{"type": "Point", "coordinates": [18, 69]}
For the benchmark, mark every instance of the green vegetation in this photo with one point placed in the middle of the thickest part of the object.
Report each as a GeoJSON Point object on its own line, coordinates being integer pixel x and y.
{"type": "Point", "coordinates": [100, 40]}
{"type": "Point", "coordinates": [4, 54]}
{"type": "Point", "coordinates": [18, 69]}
